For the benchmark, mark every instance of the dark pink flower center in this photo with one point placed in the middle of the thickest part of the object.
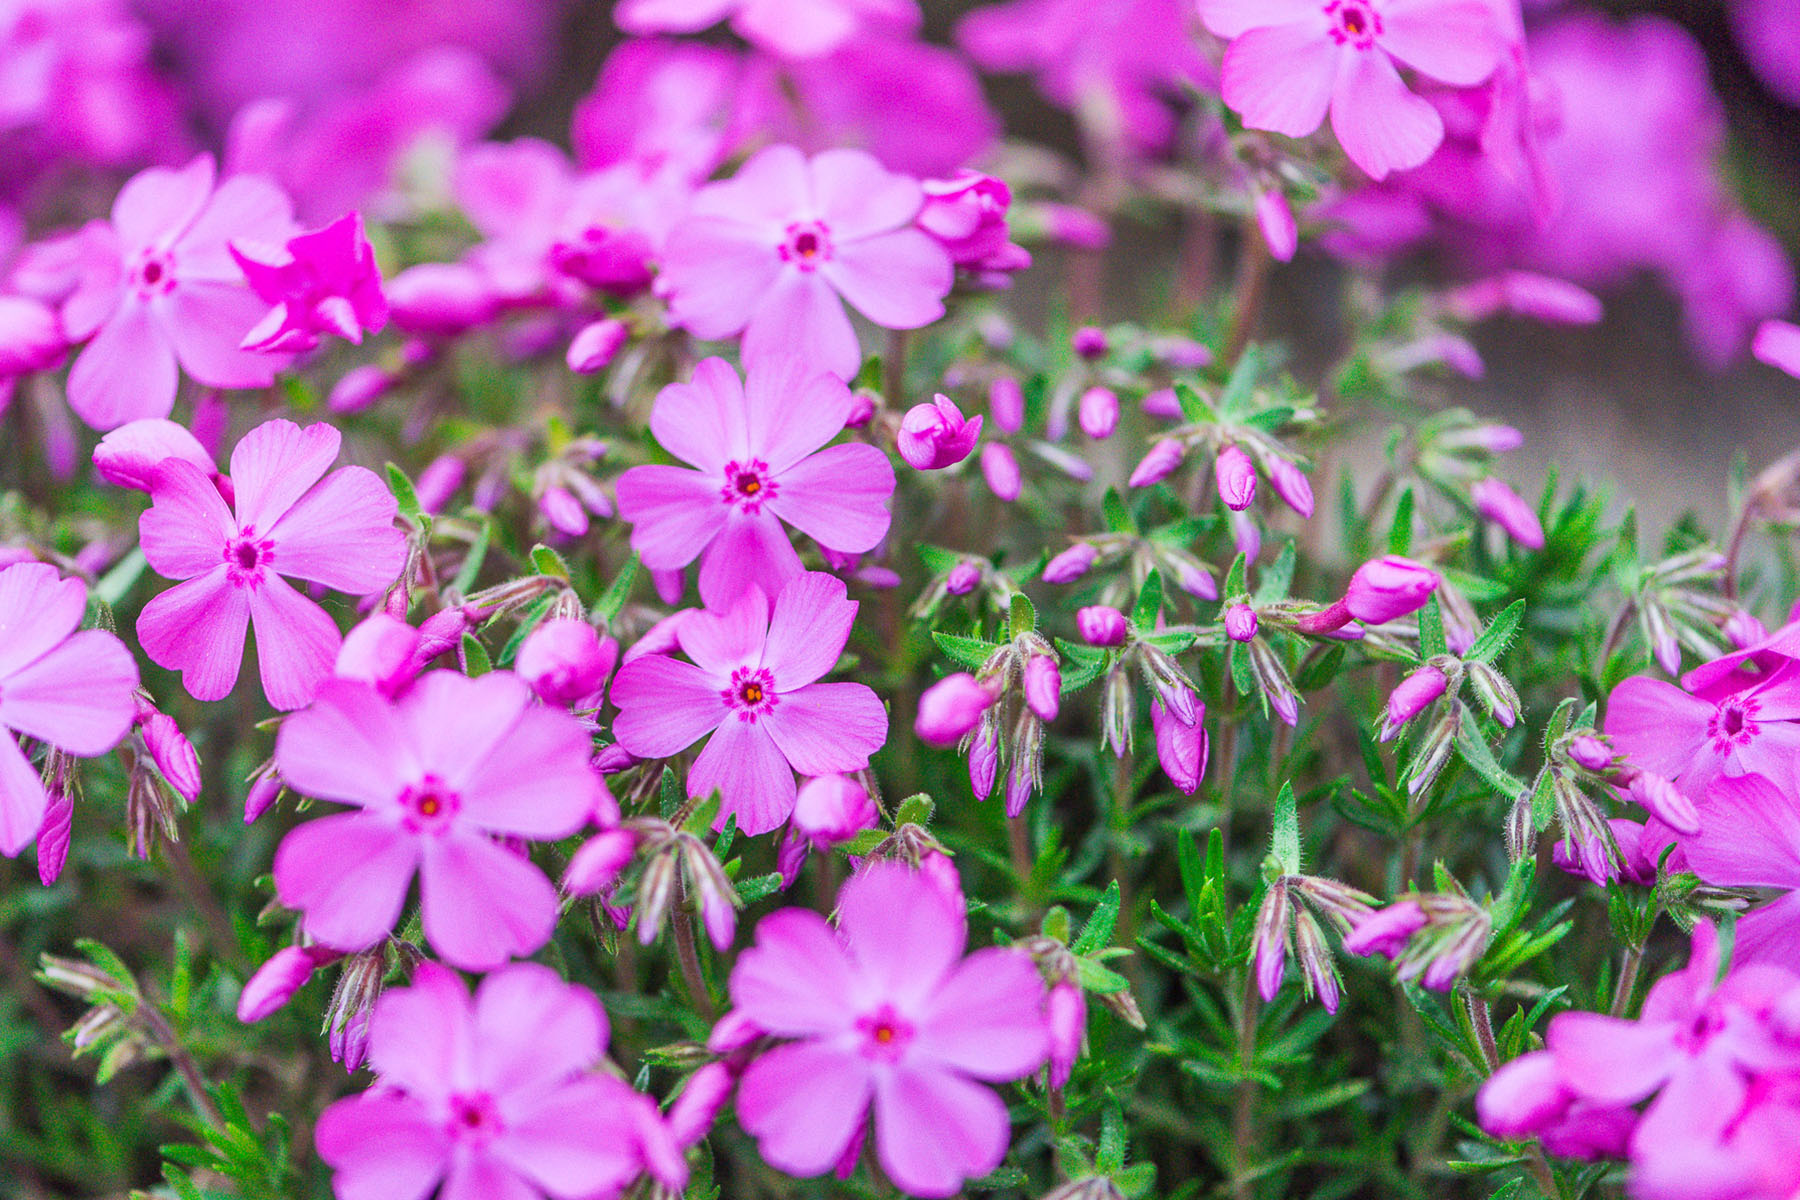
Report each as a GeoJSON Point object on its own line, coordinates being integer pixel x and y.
{"type": "Point", "coordinates": [885, 1034]}
{"type": "Point", "coordinates": [751, 694]}
{"type": "Point", "coordinates": [808, 244]}
{"type": "Point", "coordinates": [748, 485]}
{"type": "Point", "coordinates": [474, 1118]}
{"type": "Point", "coordinates": [1353, 23]}
{"type": "Point", "coordinates": [429, 806]}
{"type": "Point", "coordinates": [154, 273]}
{"type": "Point", "coordinates": [1733, 724]}
{"type": "Point", "coordinates": [247, 557]}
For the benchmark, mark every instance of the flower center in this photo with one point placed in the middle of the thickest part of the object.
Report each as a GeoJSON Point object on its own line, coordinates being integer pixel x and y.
{"type": "Point", "coordinates": [473, 1118]}
{"type": "Point", "coordinates": [748, 485]}
{"type": "Point", "coordinates": [751, 694]}
{"type": "Point", "coordinates": [247, 557]}
{"type": "Point", "coordinates": [1353, 23]}
{"type": "Point", "coordinates": [808, 244]}
{"type": "Point", "coordinates": [1733, 724]}
{"type": "Point", "coordinates": [885, 1034]}
{"type": "Point", "coordinates": [155, 273]}
{"type": "Point", "coordinates": [428, 806]}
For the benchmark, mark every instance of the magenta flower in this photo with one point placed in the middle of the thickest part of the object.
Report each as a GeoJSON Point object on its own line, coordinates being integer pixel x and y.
{"type": "Point", "coordinates": [791, 28]}
{"type": "Point", "coordinates": [1740, 725]}
{"type": "Point", "coordinates": [1750, 837]}
{"type": "Point", "coordinates": [323, 281]}
{"type": "Point", "coordinates": [774, 251]}
{"type": "Point", "coordinates": [161, 289]}
{"type": "Point", "coordinates": [498, 1099]}
{"type": "Point", "coordinates": [290, 519]}
{"type": "Point", "coordinates": [1778, 344]}
{"type": "Point", "coordinates": [756, 449]}
{"type": "Point", "coordinates": [754, 686]}
{"type": "Point", "coordinates": [436, 774]}
{"type": "Point", "coordinates": [885, 1013]}
{"type": "Point", "coordinates": [71, 690]}
{"type": "Point", "coordinates": [1291, 60]}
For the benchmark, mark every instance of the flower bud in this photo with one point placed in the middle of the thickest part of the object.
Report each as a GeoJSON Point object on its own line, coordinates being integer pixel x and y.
{"type": "Point", "coordinates": [1526, 294]}
{"type": "Point", "coordinates": [55, 832]}
{"type": "Point", "coordinates": [950, 709]}
{"type": "Point", "coordinates": [264, 791]}
{"type": "Point", "coordinates": [1386, 931]}
{"type": "Point", "coordinates": [963, 578]}
{"type": "Point", "coordinates": [1006, 404]}
{"type": "Point", "coordinates": [439, 481]}
{"type": "Point", "coordinates": [1001, 470]}
{"type": "Point", "coordinates": [1118, 712]}
{"type": "Point", "coordinates": [1236, 478]}
{"type": "Point", "coordinates": [1097, 412]}
{"type": "Point", "coordinates": [1240, 622]}
{"type": "Point", "coordinates": [1102, 625]}
{"type": "Point", "coordinates": [862, 409]}
{"type": "Point", "coordinates": [1414, 695]}
{"type": "Point", "coordinates": [1316, 963]}
{"type": "Point", "coordinates": [1744, 629]}
{"type": "Point", "coordinates": [718, 900]}
{"type": "Point", "coordinates": [1043, 686]}
{"type": "Point", "coordinates": [1193, 578]}
{"type": "Point", "coordinates": [1496, 693]}
{"type": "Point", "coordinates": [598, 863]}
{"type": "Point", "coordinates": [446, 299]}
{"type": "Point", "coordinates": [1291, 484]}
{"type": "Point", "coordinates": [966, 214]}
{"type": "Point", "coordinates": [1090, 342]}
{"type": "Point", "coordinates": [1246, 534]}
{"type": "Point", "coordinates": [1022, 778]}
{"type": "Point", "coordinates": [1066, 1010]}
{"type": "Point", "coordinates": [1275, 220]}
{"type": "Point", "coordinates": [1269, 943]}
{"type": "Point", "coordinates": [1388, 588]}
{"type": "Point", "coordinates": [1777, 343]}
{"type": "Point", "coordinates": [595, 345]}
{"type": "Point", "coordinates": [1075, 227]}
{"type": "Point", "coordinates": [1180, 748]}
{"type": "Point", "coordinates": [566, 662]}
{"type": "Point", "coordinates": [655, 890]}
{"type": "Point", "coordinates": [276, 981]}
{"type": "Point", "coordinates": [936, 435]}
{"type": "Point", "coordinates": [562, 511]}
{"type": "Point", "coordinates": [173, 755]}
{"type": "Point", "coordinates": [358, 388]}
{"type": "Point", "coordinates": [694, 1111]}
{"type": "Point", "coordinates": [1272, 680]}
{"type": "Point", "coordinates": [1071, 564]}
{"type": "Point", "coordinates": [1498, 503]}
{"type": "Point", "coordinates": [832, 809]}
{"type": "Point", "coordinates": [1434, 752]}
{"type": "Point", "coordinates": [1158, 464]}
{"type": "Point", "coordinates": [131, 455]}
{"type": "Point", "coordinates": [733, 1032]}
{"type": "Point", "coordinates": [1590, 752]}
{"type": "Point", "coordinates": [1523, 1097]}
{"type": "Point", "coordinates": [984, 759]}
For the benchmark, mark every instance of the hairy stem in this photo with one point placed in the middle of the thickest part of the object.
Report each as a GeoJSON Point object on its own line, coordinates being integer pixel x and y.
{"type": "Point", "coordinates": [1628, 975]}
{"type": "Point", "coordinates": [164, 1034]}
{"type": "Point", "coordinates": [687, 953]}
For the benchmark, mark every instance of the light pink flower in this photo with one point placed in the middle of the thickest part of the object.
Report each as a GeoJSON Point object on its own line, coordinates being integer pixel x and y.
{"type": "Point", "coordinates": [323, 281]}
{"type": "Point", "coordinates": [436, 775]}
{"type": "Point", "coordinates": [161, 289]}
{"type": "Point", "coordinates": [1742, 724]}
{"type": "Point", "coordinates": [756, 447]}
{"type": "Point", "coordinates": [291, 519]}
{"type": "Point", "coordinates": [885, 1013]}
{"type": "Point", "coordinates": [70, 690]}
{"type": "Point", "coordinates": [131, 455]}
{"type": "Point", "coordinates": [753, 686]}
{"type": "Point", "coordinates": [498, 1099]}
{"type": "Point", "coordinates": [1291, 60]}
{"type": "Point", "coordinates": [792, 28]}
{"type": "Point", "coordinates": [774, 251]}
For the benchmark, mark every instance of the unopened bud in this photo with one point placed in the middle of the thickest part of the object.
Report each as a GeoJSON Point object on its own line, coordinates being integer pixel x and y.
{"type": "Point", "coordinates": [1043, 686]}
{"type": "Point", "coordinates": [1590, 752]}
{"type": "Point", "coordinates": [1001, 470]}
{"type": "Point", "coordinates": [1240, 622]}
{"type": "Point", "coordinates": [1090, 342]}
{"type": "Point", "coordinates": [1098, 412]}
{"type": "Point", "coordinates": [597, 865]}
{"type": "Point", "coordinates": [1414, 695]}
{"type": "Point", "coordinates": [1316, 963]}
{"type": "Point", "coordinates": [1389, 588]}
{"type": "Point", "coordinates": [1236, 476]}
{"type": "Point", "coordinates": [1006, 404]}
{"type": "Point", "coordinates": [1434, 752]}
{"type": "Point", "coordinates": [1157, 465]}
{"type": "Point", "coordinates": [276, 981]}
{"type": "Point", "coordinates": [950, 708]}
{"type": "Point", "coordinates": [1071, 564]}
{"type": "Point", "coordinates": [1102, 625]}
{"type": "Point", "coordinates": [963, 578]}
{"type": "Point", "coordinates": [1291, 484]}
{"type": "Point", "coordinates": [1269, 943]}
{"type": "Point", "coordinates": [1496, 693]}
{"type": "Point", "coordinates": [1507, 509]}
{"type": "Point", "coordinates": [173, 755]}
{"type": "Point", "coordinates": [595, 345]}
{"type": "Point", "coordinates": [833, 809]}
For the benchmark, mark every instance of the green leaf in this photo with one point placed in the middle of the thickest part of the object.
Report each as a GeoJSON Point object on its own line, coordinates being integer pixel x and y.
{"type": "Point", "coordinates": [612, 602]}
{"type": "Point", "coordinates": [1400, 533]}
{"type": "Point", "coordinates": [759, 887]}
{"type": "Point", "coordinates": [967, 652]}
{"type": "Point", "coordinates": [1098, 931]}
{"type": "Point", "coordinates": [1279, 578]}
{"type": "Point", "coordinates": [669, 797]}
{"type": "Point", "coordinates": [1319, 670]}
{"type": "Point", "coordinates": [1474, 751]}
{"type": "Point", "coordinates": [546, 561]}
{"type": "Point", "coordinates": [1543, 800]}
{"type": "Point", "coordinates": [1118, 517]}
{"type": "Point", "coordinates": [476, 656]}
{"type": "Point", "coordinates": [1109, 1155]}
{"type": "Point", "coordinates": [1559, 722]}
{"type": "Point", "coordinates": [1023, 617]}
{"type": "Point", "coordinates": [1284, 844]}
{"type": "Point", "coordinates": [1431, 629]}
{"type": "Point", "coordinates": [1242, 383]}
{"type": "Point", "coordinates": [938, 560]}
{"type": "Point", "coordinates": [1234, 580]}
{"type": "Point", "coordinates": [1149, 603]}
{"type": "Point", "coordinates": [1498, 635]}
{"type": "Point", "coordinates": [914, 810]}
{"type": "Point", "coordinates": [1093, 977]}
{"type": "Point", "coordinates": [1088, 663]}
{"type": "Point", "coordinates": [404, 493]}
{"type": "Point", "coordinates": [470, 571]}
{"type": "Point", "coordinates": [1193, 409]}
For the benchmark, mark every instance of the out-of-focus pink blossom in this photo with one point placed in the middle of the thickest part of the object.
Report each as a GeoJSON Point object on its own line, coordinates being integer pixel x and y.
{"type": "Point", "coordinates": [832, 809]}
{"type": "Point", "coordinates": [1158, 463]}
{"type": "Point", "coordinates": [324, 281]}
{"type": "Point", "coordinates": [1506, 508]}
{"type": "Point", "coordinates": [1097, 412]}
{"type": "Point", "coordinates": [1778, 344]}
{"type": "Point", "coordinates": [790, 28]}
{"type": "Point", "coordinates": [936, 435]}
{"type": "Point", "coordinates": [442, 299]}
{"type": "Point", "coordinates": [1001, 470]}
{"type": "Point", "coordinates": [967, 213]}
{"type": "Point", "coordinates": [1527, 294]}
{"type": "Point", "coordinates": [596, 344]}
{"type": "Point", "coordinates": [1275, 220]}
{"type": "Point", "coordinates": [1236, 475]}
{"type": "Point", "coordinates": [31, 338]}
{"type": "Point", "coordinates": [1290, 483]}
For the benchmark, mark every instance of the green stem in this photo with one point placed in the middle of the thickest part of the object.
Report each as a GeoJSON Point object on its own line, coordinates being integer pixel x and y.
{"type": "Point", "coordinates": [1243, 1123]}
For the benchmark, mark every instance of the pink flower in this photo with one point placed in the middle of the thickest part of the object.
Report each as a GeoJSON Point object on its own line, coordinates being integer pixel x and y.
{"type": "Point", "coordinates": [324, 281]}
{"type": "Point", "coordinates": [791, 28]}
{"type": "Point", "coordinates": [756, 449]}
{"type": "Point", "coordinates": [934, 436]}
{"type": "Point", "coordinates": [290, 519]}
{"type": "Point", "coordinates": [70, 690]}
{"type": "Point", "coordinates": [436, 776]}
{"type": "Point", "coordinates": [774, 251]}
{"type": "Point", "coordinates": [1750, 837]}
{"type": "Point", "coordinates": [1291, 60]}
{"type": "Point", "coordinates": [495, 1098]}
{"type": "Point", "coordinates": [1102, 625]}
{"type": "Point", "coordinates": [753, 686]}
{"type": "Point", "coordinates": [1778, 344]}
{"type": "Point", "coordinates": [967, 213]}
{"type": "Point", "coordinates": [162, 289]}
{"type": "Point", "coordinates": [885, 1013]}
{"type": "Point", "coordinates": [1741, 725]}
{"type": "Point", "coordinates": [1385, 589]}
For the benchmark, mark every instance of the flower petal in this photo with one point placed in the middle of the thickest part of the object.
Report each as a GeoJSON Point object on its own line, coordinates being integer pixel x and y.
{"type": "Point", "coordinates": [483, 904]}
{"type": "Point", "coordinates": [246, 208]}
{"type": "Point", "coordinates": [800, 314]}
{"type": "Point", "coordinates": [839, 497]}
{"type": "Point", "coordinates": [350, 746]}
{"type": "Point", "coordinates": [808, 629]}
{"type": "Point", "coordinates": [716, 275]}
{"type": "Point", "coordinates": [751, 552]}
{"type": "Point", "coordinates": [742, 763]}
{"type": "Point", "coordinates": [987, 1018]}
{"type": "Point", "coordinates": [38, 609]}
{"type": "Point", "coordinates": [898, 280]}
{"type": "Point", "coordinates": [296, 642]}
{"type": "Point", "coordinates": [197, 628]}
{"type": "Point", "coordinates": [827, 728]}
{"type": "Point", "coordinates": [126, 373]}
{"type": "Point", "coordinates": [185, 530]}
{"type": "Point", "coordinates": [792, 408]}
{"type": "Point", "coordinates": [577, 1140]}
{"type": "Point", "coordinates": [903, 932]}
{"type": "Point", "coordinates": [478, 1177]}
{"type": "Point", "coordinates": [857, 197]}
{"type": "Point", "coordinates": [536, 783]}
{"type": "Point", "coordinates": [721, 641]}
{"type": "Point", "coordinates": [421, 1038]}
{"type": "Point", "coordinates": [1458, 42]}
{"type": "Point", "coordinates": [804, 1103]}
{"type": "Point", "coordinates": [348, 874]}
{"type": "Point", "coordinates": [1382, 125]}
{"type": "Point", "coordinates": [22, 798]}
{"type": "Point", "coordinates": [341, 534]}
{"type": "Point", "coordinates": [1749, 835]}
{"type": "Point", "coordinates": [1659, 727]}
{"type": "Point", "coordinates": [77, 697]}
{"type": "Point", "coordinates": [533, 1030]}
{"type": "Point", "coordinates": [665, 706]}
{"type": "Point", "coordinates": [1280, 78]}
{"type": "Point", "coordinates": [703, 422]}
{"type": "Point", "coordinates": [206, 323]}
{"type": "Point", "coordinates": [675, 513]}
{"type": "Point", "coordinates": [277, 463]}
{"type": "Point", "coordinates": [1611, 1060]}
{"type": "Point", "coordinates": [382, 1146]}
{"type": "Point", "coordinates": [156, 206]}
{"type": "Point", "coordinates": [797, 980]}
{"type": "Point", "coordinates": [1231, 18]}
{"type": "Point", "coordinates": [934, 1129]}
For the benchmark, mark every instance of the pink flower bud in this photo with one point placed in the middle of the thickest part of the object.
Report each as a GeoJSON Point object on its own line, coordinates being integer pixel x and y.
{"type": "Point", "coordinates": [598, 863]}
{"type": "Point", "coordinates": [566, 662]}
{"type": "Point", "coordinates": [263, 792]}
{"type": "Point", "coordinates": [130, 455]}
{"type": "Point", "coordinates": [718, 908]}
{"type": "Point", "coordinates": [1246, 534]}
{"type": "Point", "coordinates": [833, 809]}
{"type": "Point", "coordinates": [562, 511]}
{"type": "Point", "coordinates": [610, 760]}
{"type": "Point", "coordinates": [694, 1111]}
{"type": "Point", "coordinates": [1666, 802]}
{"type": "Point", "coordinates": [1066, 1013]}
{"type": "Point", "coordinates": [1507, 509]}
{"type": "Point", "coordinates": [595, 345]}
{"type": "Point", "coordinates": [1196, 580]}
{"type": "Point", "coordinates": [1006, 404]}
{"type": "Point", "coordinates": [984, 760]}
{"type": "Point", "coordinates": [967, 215]}
{"type": "Point", "coordinates": [1269, 942]}
{"type": "Point", "coordinates": [31, 339]}
{"type": "Point", "coordinates": [440, 633]}
{"type": "Point", "coordinates": [54, 834]}
{"type": "Point", "coordinates": [1071, 564]}
{"type": "Point", "coordinates": [1523, 1097]}
{"type": "Point", "coordinates": [359, 388]}
{"type": "Point", "coordinates": [1180, 748]}
{"type": "Point", "coordinates": [1275, 219]}
{"type": "Point", "coordinates": [1098, 412]}
{"type": "Point", "coordinates": [1744, 629]}
{"type": "Point", "coordinates": [1001, 470]}
{"type": "Point", "coordinates": [1385, 931]}
{"type": "Point", "coordinates": [381, 650]}
{"type": "Point", "coordinates": [950, 709]}
{"type": "Point", "coordinates": [1590, 752]}
{"type": "Point", "coordinates": [276, 981]}
{"type": "Point", "coordinates": [439, 481]}
{"type": "Point", "coordinates": [446, 299]}
{"type": "Point", "coordinates": [1236, 478]}
{"type": "Point", "coordinates": [1388, 588]}
{"type": "Point", "coordinates": [1240, 622]}
{"type": "Point", "coordinates": [173, 755]}
{"type": "Point", "coordinates": [1043, 686]}
{"type": "Point", "coordinates": [1102, 625]}
{"type": "Point", "coordinates": [1076, 227]}
{"type": "Point", "coordinates": [963, 578]}
{"type": "Point", "coordinates": [1414, 695]}
{"type": "Point", "coordinates": [1778, 344]}
{"type": "Point", "coordinates": [1157, 465]}
{"type": "Point", "coordinates": [1527, 294]}
{"type": "Point", "coordinates": [1090, 342]}
{"type": "Point", "coordinates": [936, 435]}
{"type": "Point", "coordinates": [1020, 783]}
{"type": "Point", "coordinates": [1291, 485]}
{"type": "Point", "coordinates": [1163, 404]}
{"type": "Point", "coordinates": [1183, 354]}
